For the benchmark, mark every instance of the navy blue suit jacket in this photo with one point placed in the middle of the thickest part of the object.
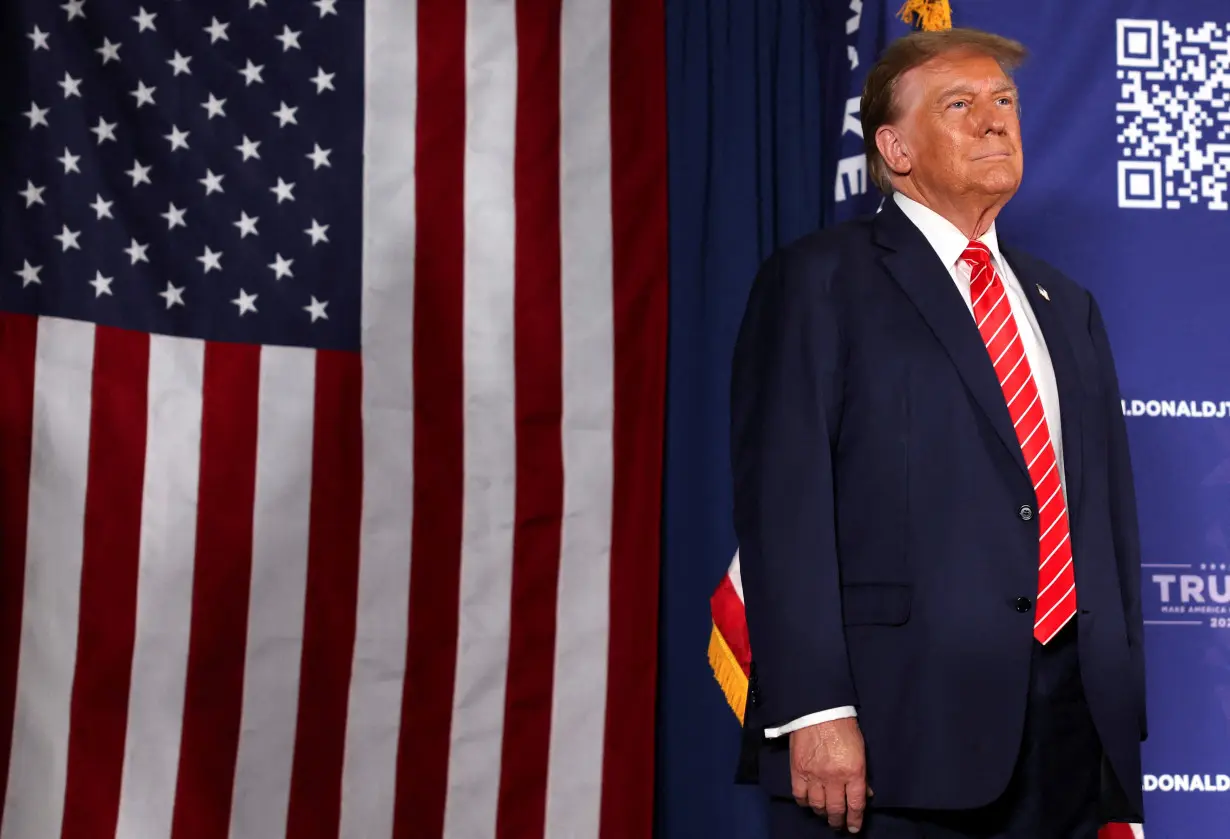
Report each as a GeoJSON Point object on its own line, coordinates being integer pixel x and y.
{"type": "Point", "coordinates": [879, 487]}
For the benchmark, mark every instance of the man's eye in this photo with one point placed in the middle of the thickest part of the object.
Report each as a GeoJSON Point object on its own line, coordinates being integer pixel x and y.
{"type": "Point", "coordinates": [958, 104]}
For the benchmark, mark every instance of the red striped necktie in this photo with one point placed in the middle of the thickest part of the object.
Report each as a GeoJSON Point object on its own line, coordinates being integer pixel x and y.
{"type": "Point", "coordinates": [1056, 601]}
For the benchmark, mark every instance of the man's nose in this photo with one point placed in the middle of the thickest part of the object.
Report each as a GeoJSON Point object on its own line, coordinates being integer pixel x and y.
{"type": "Point", "coordinates": [992, 120]}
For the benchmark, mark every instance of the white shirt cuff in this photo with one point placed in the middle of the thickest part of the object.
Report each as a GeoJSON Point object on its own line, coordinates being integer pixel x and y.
{"type": "Point", "coordinates": [811, 719]}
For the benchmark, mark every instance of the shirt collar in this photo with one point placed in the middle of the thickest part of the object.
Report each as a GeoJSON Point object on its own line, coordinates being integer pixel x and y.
{"type": "Point", "coordinates": [947, 241]}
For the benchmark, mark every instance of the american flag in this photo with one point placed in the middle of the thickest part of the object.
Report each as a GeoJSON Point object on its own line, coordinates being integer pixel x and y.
{"type": "Point", "coordinates": [331, 378]}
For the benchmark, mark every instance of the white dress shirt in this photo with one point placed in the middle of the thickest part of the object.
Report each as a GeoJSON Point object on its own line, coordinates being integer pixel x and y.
{"type": "Point", "coordinates": [949, 243]}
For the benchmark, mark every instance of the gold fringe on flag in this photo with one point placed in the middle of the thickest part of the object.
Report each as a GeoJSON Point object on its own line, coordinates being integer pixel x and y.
{"type": "Point", "coordinates": [730, 676]}
{"type": "Point", "coordinates": [928, 15]}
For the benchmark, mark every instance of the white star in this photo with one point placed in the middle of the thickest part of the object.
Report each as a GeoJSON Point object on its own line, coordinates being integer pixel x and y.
{"type": "Point", "coordinates": [174, 217]}
{"type": "Point", "coordinates": [68, 239]}
{"type": "Point", "coordinates": [281, 268]}
{"type": "Point", "coordinates": [105, 130]}
{"type": "Point", "coordinates": [180, 63]}
{"type": "Point", "coordinates": [39, 37]}
{"type": "Point", "coordinates": [136, 252]}
{"type": "Point", "coordinates": [212, 260]}
{"type": "Point", "coordinates": [212, 182]}
{"type": "Point", "coordinates": [174, 295]}
{"type": "Point", "coordinates": [145, 21]}
{"type": "Point", "coordinates": [70, 161]}
{"type": "Point", "coordinates": [37, 115]}
{"type": "Point", "coordinates": [323, 80]}
{"type": "Point", "coordinates": [320, 157]}
{"type": "Point", "coordinates": [217, 31]}
{"type": "Point", "coordinates": [247, 225]}
{"type": "Point", "coordinates": [73, 7]}
{"type": "Point", "coordinates": [246, 302]}
{"type": "Point", "coordinates": [71, 86]}
{"type": "Point", "coordinates": [33, 194]}
{"type": "Point", "coordinates": [317, 231]}
{"type": "Point", "coordinates": [214, 106]}
{"type": "Point", "coordinates": [102, 285]}
{"type": "Point", "coordinates": [179, 139]}
{"type": "Point", "coordinates": [109, 51]}
{"type": "Point", "coordinates": [283, 190]}
{"type": "Point", "coordinates": [285, 115]}
{"type": "Point", "coordinates": [249, 149]}
{"type": "Point", "coordinates": [29, 274]}
{"type": "Point", "coordinates": [252, 73]}
{"type": "Point", "coordinates": [139, 173]}
{"type": "Point", "coordinates": [317, 309]}
{"type": "Point", "coordinates": [288, 38]}
{"type": "Point", "coordinates": [326, 7]}
{"type": "Point", "coordinates": [144, 95]}
{"type": "Point", "coordinates": [103, 208]}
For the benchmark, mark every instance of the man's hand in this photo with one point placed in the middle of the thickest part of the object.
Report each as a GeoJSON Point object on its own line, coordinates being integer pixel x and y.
{"type": "Point", "coordinates": [828, 772]}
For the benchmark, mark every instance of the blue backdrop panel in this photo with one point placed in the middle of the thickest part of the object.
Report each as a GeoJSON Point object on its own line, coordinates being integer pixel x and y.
{"type": "Point", "coordinates": [1126, 114]}
{"type": "Point", "coordinates": [1127, 148]}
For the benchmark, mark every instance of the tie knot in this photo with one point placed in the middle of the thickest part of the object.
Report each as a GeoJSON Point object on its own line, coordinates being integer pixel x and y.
{"type": "Point", "coordinates": [976, 254]}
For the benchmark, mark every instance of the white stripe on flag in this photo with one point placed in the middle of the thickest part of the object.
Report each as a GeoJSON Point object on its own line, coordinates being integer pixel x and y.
{"type": "Point", "coordinates": [490, 440]}
{"type": "Point", "coordinates": [274, 647]}
{"type": "Point", "coordinates": [736, 576]}
{"type": "Point", "coordinates": [574, 787]}
{"type": "Point", "coordinates": [164, 587]}
{"type": "Point", "coordinates": [60, 449]}
{"type": "Point", "coordinates": [374, 710]}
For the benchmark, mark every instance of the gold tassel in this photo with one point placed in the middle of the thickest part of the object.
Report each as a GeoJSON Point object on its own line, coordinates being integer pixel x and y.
{"type": "Point", "coordinates": [729, 674]}
{"type": "Point", "coordinates": [928, 15]}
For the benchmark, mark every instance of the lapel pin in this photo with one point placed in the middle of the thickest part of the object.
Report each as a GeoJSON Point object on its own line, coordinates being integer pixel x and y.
{"type": "Point", "coordinates": [1042, 291]}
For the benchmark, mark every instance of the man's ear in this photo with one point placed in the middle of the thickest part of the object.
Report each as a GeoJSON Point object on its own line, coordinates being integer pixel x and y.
{"type": "Point", "coordinates": [894, 149]}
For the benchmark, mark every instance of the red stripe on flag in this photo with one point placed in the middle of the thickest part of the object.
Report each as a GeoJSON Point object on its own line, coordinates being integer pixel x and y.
{"type": "Point", "coordinates": [539, 410]}
{"type": "Point", "coordinates": [435, 566]}
{"type": "Point", "coordinates": [638, 178]}
{"type": "Point", "coordinates": [730, 617]}
{"type": "Point", "coordinates": [18, 341]}
{"type": "Point", "coordinates": [222, 573]}
{"type": "Point", "coordinates": [110, 562]}
{"type": "Point", "coordinates": [331, 598]}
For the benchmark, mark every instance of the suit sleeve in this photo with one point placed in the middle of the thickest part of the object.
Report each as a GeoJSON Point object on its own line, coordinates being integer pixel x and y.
{"type": "Point", "coordinates": [785, 407]}
{"type": "Point", "coordinates": [1123, 508]}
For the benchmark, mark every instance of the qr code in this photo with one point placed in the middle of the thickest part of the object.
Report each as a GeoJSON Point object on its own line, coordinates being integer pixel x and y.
{"type": "Point", "coordinates": [1173, 114]}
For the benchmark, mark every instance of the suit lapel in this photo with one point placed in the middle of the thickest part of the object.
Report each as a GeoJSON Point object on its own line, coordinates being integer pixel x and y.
{"type": "Point", "coordinates": [920, 273]}
{"type": "Point", "coordinates": [1067, 376]}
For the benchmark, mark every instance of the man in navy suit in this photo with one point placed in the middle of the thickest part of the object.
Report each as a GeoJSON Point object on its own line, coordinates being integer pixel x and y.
{"type": "Point", "coordinates": [933, 498]}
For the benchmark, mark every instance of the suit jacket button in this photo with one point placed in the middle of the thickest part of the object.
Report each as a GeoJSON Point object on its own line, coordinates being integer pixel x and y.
{"type": "Point", "coordinates": [1023, 604]}
{"type": "Point", "coordinates": [1026, 512]}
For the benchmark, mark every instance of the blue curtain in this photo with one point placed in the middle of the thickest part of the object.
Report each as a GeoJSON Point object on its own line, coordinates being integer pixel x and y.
{"type": "Point", "coordinates": [751, 93]}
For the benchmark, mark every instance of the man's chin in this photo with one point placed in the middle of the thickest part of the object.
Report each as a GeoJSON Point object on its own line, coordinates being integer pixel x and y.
{"type": "Point", "coordinates": [999, 183]}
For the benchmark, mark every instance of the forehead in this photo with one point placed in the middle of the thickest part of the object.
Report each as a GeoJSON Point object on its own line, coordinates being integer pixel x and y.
{"type": "Point", "coordinates": [971, 70]}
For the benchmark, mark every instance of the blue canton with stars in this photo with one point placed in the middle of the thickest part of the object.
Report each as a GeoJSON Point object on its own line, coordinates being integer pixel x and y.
{"type": "Point", "coordinates": [185, 168]}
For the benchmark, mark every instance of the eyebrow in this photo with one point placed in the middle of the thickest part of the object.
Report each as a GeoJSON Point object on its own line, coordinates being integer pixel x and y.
{"type": "Point", "coordinates": [1000, 87]}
